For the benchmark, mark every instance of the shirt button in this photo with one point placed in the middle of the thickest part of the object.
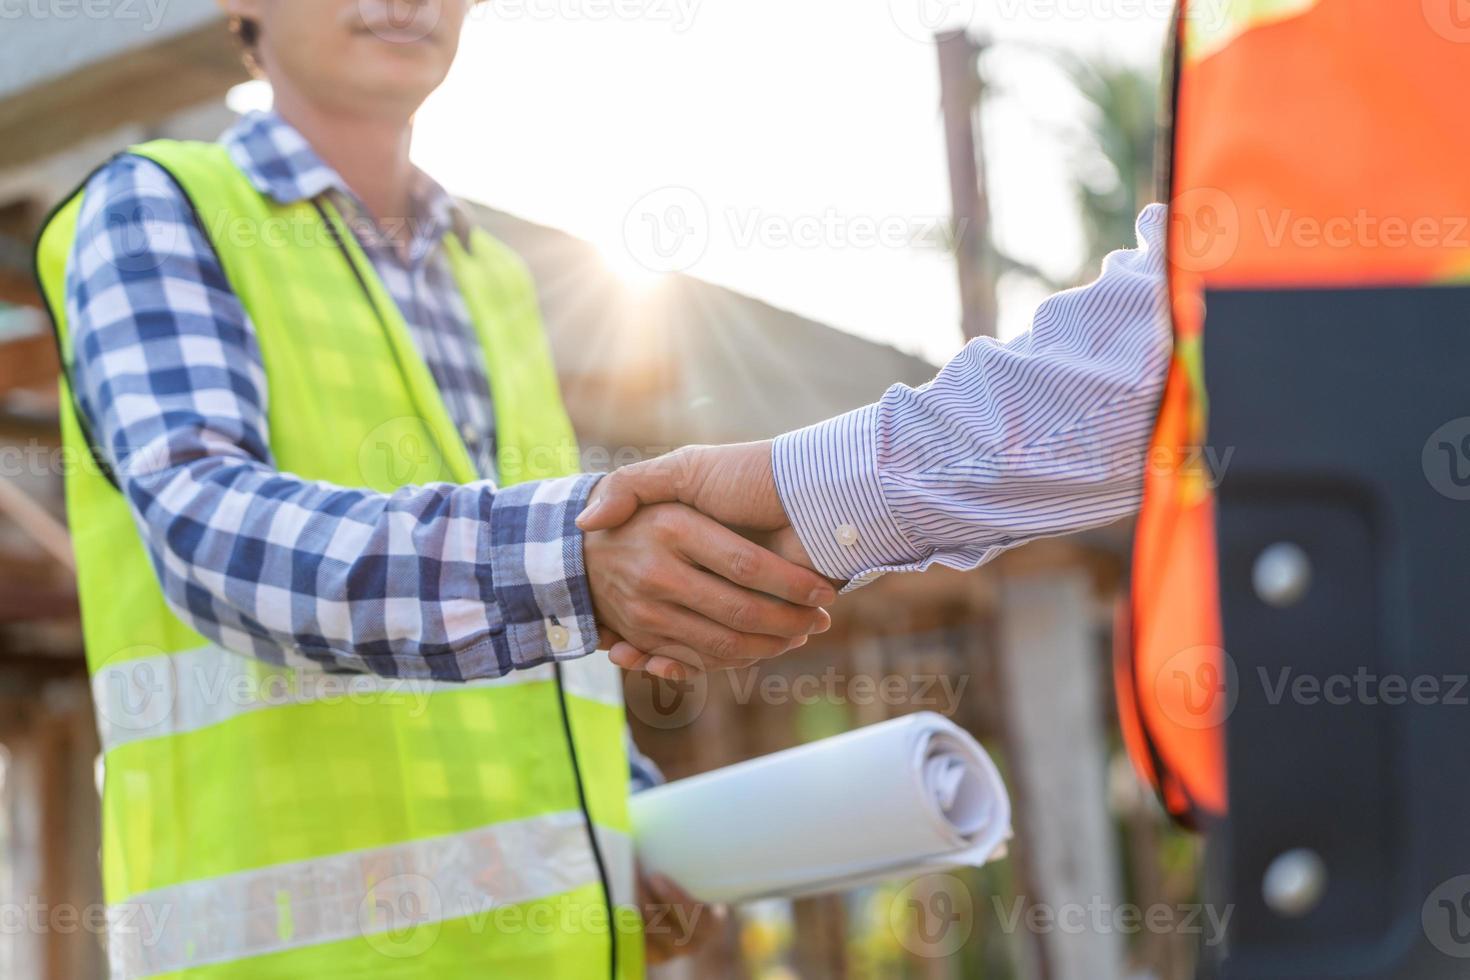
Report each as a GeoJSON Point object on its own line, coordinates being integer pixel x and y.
{"type": "Point", "coordinates": [468, 433]}
{"type": "Point", "coordinates": [846, 535]}
{"type": "Point", "coordinates": [558, 636]}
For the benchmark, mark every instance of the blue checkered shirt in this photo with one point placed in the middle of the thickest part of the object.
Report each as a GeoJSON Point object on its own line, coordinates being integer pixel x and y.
{"type": "Point", "coordinates": [168, 370]}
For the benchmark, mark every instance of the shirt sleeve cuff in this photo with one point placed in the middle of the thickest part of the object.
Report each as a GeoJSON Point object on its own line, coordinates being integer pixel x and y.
{"type": "Point", "coordinates": [643, 772]}
{"type": "Point", "coordinates": [539, 578]}
{"type": "Point", "coordinates": [827, 477]}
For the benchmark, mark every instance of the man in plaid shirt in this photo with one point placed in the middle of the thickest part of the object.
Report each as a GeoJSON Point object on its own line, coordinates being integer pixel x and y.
{"type": "Point", "coordinates": [168, 374]}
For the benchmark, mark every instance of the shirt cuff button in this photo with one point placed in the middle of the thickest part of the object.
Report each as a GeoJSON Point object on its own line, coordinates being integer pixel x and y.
{"type": "Point", "coordinates": [558, 636]}
{"type": "Point", "coordinates": [846, 535]}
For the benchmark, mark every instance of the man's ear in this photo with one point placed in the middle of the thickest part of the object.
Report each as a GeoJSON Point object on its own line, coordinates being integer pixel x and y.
{"type": "Point", "coordinates": [244, 19]}
{"type": "Point", "coordinates": [240, 8]}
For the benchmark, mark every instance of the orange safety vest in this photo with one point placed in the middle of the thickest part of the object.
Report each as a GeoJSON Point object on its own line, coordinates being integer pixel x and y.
{"type": "Point", "coordinates": [1316, 143]}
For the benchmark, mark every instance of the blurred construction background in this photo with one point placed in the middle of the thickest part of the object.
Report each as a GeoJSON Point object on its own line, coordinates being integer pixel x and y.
{"type": "Point", "coordinates": [1018, 652]}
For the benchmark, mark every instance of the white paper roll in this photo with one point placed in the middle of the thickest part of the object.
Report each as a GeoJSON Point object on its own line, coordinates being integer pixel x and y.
{"type": "Point", "coordinates": [902, 797]}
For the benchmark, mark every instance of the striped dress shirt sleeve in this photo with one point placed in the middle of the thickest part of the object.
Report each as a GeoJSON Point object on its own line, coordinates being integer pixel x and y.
{"type": "Point", "coordinates": [1046, 434]}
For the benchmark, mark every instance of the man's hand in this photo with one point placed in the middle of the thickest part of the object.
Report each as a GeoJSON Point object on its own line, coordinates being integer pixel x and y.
{"type": "Point", "coordinates": [690, 594]}
{"type": "Point", "coordinates": [783, 543]}
{"type": "Point", "coordinates": [734, 485]}
{"type": "Point", "coordinates": [675, 923]}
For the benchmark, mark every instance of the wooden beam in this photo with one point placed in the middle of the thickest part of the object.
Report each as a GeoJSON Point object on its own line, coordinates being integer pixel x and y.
{"type": "Point", "coordinates": [29, 362]}
{"type": "Point", "coordinates": [145, 85]}
{"type": "Point", "coordinates": [28, 604]}
{"type": "Point", "coordinates": [18, 288]}
{"type": "Point", "coordinates": [37, 523]}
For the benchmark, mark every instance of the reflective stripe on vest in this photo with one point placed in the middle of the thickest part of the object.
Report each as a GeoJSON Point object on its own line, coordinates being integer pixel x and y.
{"type": "Point", "coordinates": [226, 775]}
{"type": "Point", "coordinates": [396, 898]}
{"type": "Point", "coordinates": [150, 697]}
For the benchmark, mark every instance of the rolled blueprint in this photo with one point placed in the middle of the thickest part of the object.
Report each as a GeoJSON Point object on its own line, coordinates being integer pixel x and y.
{"type": "Point", "coordinates": [900, 798]}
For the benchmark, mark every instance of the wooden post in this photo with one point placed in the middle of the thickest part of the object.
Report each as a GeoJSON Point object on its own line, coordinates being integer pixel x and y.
{"type": "Point", "coordinates": [54, 889]}
{"type": "Point", "coordinates": [961, 91]}
{"type": "Point", "coordinates": [73, 831]}
{"type": "Point", "coordinates": [1057, 748]}
{"type": "Point", "coordinates": [1142, 822]}
{"type": "Point", "coordinates": [1065, 853]}
{"type": "Point", "coordinates": [17, 288]}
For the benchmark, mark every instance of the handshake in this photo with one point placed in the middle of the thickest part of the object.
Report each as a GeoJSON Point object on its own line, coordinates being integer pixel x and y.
{"type": "Point", "coordinates": [694, 566]}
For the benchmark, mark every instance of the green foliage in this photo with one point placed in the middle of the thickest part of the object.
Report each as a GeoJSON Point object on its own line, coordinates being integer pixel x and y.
{"type": "Point", "coordinates": [1112, 150]}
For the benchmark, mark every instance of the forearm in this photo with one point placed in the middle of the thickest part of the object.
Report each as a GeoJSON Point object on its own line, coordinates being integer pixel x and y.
{"type": "Point", "coordinates": [1044, 435]}
{"type": "Point", "coordinates": [413, 584]}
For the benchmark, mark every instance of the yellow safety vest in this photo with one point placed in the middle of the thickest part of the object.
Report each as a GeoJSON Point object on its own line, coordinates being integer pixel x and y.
{"type": "Point", "coordinates": [263, 821]}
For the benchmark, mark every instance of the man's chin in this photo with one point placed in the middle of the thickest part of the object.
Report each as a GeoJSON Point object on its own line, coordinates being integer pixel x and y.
{"type": "Point", "coordinates": [389, 53]}
{"type": "Point", "coordinates": [397, 75]}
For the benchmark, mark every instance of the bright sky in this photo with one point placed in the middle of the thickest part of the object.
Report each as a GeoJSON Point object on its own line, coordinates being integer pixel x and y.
{"type": "Point", "coordinates": [790, 149]}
